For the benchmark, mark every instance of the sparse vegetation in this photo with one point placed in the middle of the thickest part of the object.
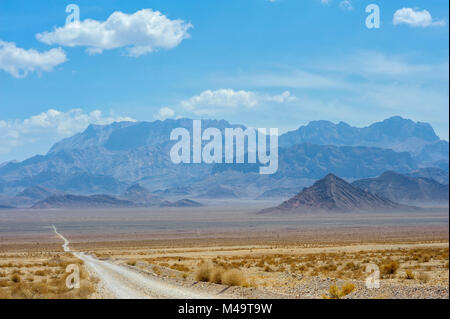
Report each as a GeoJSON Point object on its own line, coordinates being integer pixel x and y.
{"type": "Point", "coordinates": [409, 274]}
{"type": "Point", "coordinates": [131, 262]}
{"type": "Point", "coordinates": [389, 267]}
{"type": "Point", "coordinates": [218, 275]}
{"type": "Point", "coordinates": [274, 268]}
{"type": "Point", "coordinates": [15, 278]}
{"type": "Point", "coordinates": [334, 292]}
{"type": "Point", "coordinates": [38, 278]}
{"type": "Point", "coordinates": [233, 277]}
{"type": "Point", "coordinates": [203, 273]}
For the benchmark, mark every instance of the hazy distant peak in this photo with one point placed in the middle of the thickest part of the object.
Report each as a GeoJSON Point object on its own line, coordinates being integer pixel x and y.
{"type": "Point", "coordinates": [395, 133]}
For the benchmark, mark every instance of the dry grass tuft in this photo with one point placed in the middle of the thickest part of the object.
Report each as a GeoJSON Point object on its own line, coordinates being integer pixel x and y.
{"type": "Point", "coordinates": [233, 277]}
{"type": "Point", "coordinates": [203, 273]}
{"type": "Point", "coordinates": [131, 262]}
{"type": "Point", "coordinates": [335, 293]}
{"type": "Point", "coordinates": [409, 274]}
{"type": "Point", "coordinates": [219, 275]}
{"type": "Point", "coordinates": [15, 278]}
{"type": "Point", "coordinates": [389, 267]}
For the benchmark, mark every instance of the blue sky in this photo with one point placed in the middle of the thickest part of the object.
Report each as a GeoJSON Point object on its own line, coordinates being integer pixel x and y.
{"type": "Point", "coordinates": [256, 62]}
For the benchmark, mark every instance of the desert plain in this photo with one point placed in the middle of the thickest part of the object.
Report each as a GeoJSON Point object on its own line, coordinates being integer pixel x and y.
{"type": "Point", "coordinates": [224, 250]}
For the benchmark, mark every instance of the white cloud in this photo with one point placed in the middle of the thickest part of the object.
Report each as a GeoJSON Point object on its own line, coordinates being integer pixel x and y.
{"type": "Point", "coordinates": [212, 102]}
{"type": "Point", "coordinates": [140, 33]}
{"type": "Point", "coordinates": [415, 18]}
{"type": "Point", "coordinates": [20, 62]}
{"type": "Point", "coordinates": [48, 127]}
{"type": "Point", "coordinates": [209, 102]}
{"type": "Point", "coordinates": [284, 97]}
{"type": "Point", "coordinates": [164, 113]}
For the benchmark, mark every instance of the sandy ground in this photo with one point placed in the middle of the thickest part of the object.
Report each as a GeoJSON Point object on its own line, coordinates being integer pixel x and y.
{"type": "Point", "coordinates": [192, 255]}
{"type": "Point", "coordinates": [299, 272]}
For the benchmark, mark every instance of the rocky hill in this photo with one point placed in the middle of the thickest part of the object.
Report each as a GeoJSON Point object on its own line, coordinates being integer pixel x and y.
{"type": "Point", "coordinates": [333, 194]}
{"type": "Point", "coordinates": [82, 202]}
{"type": "Point", "coordinates": [219, 191]}
{"type": "Point", "coordinates": [434, 173]}
{"type": "Point", "coordinates": [104, 201]}
{"type": "Point", "coordinates": [402, 188]}
{"type": "Point", "coordinates": [140, 195]}
{"type": "Point", "coordinates": [276, 193]}
{"type": "Point", "coordinates": [38, 192]}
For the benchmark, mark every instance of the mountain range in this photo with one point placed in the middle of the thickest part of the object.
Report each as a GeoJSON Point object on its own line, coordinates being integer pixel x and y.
{"type": "Point", "coordinates": [134, 197]}
{"type": "Point", "coordinates": [109, 159]}
{"type": "Point", "coordinates": [395, 133]}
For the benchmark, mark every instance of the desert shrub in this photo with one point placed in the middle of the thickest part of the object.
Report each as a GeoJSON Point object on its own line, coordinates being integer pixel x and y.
{"type": "Point", "coordinates": [233, 277]}
{"type": "Point", "coordinates": [268, 269]}
{"type": "Point", "coordinates": [335, 293]}
{"type": "Point", "coordinates": [156, 270]}
{"type": "Point", "coordinates": [409, 274]}
{"type": "Point", "coordinates": [131, 262]}
{"type": "Point", "coordinates": [203, 273]}
{"type": "Point", "coordinates": [352, 266]}
{"type": "Point", "coordinates": [217, 275]}
{"type": "Point", "coordinates": [389, 267]}
{"type": "Point", "coordinates": [179, 267]}
{"type": "Point", "coordinates": [328, 267]}
{"type": "Point", "coordinates": [15, 278]}
{"type": "Point", "coordinates": [347, 288]}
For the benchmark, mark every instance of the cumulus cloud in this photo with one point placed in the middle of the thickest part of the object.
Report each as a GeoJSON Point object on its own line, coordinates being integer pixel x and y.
{"type": "Point", "coordinates": [212, 102]}
{"type": "Point", "coordinates": [164, 113]}
{"type": "Point", "coordinates": [139, 33]}
{"type": "Point", "coordinates": [49, 126]}
{"type": "Point", "coordinates": [415, 18]}
{"type": "Point", "coordinates": [20, 62]}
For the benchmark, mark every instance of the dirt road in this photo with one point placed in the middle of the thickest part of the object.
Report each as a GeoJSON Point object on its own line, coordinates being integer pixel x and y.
{"type": "Point", "coordinates": [124, 283]}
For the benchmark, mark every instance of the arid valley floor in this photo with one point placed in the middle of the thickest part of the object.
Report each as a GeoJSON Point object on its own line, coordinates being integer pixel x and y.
{"type": "Point", "coordinates": [223, 252]}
